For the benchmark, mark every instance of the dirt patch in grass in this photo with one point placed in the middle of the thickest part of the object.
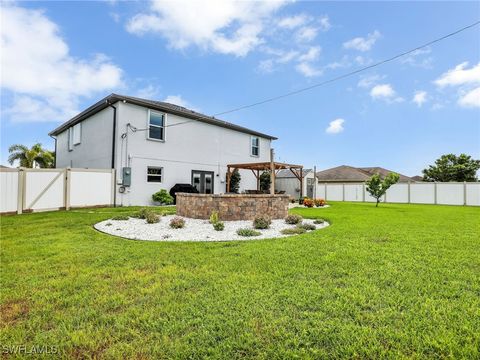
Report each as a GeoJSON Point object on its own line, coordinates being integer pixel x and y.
{"type": "Point", "coordinates": [13, 311]}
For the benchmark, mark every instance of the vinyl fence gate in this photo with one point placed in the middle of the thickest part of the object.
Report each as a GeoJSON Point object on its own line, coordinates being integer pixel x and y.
{"type": "Point", "coordinates": [27, 190]}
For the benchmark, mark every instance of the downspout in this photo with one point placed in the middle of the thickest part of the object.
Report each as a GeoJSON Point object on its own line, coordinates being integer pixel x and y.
{"type": "Point", "coordinates": [114, 133]}
{"type": "Point", "coordinates": [113, 146]}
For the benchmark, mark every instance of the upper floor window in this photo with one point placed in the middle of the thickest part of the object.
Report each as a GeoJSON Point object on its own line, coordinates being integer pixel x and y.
{"type": "Point", "coordinates": [77, 134]}
{"type": "Point", "coordinates": [74, 135]}
{"type": "Point", "coordinates": [156, 125]}
{"type": "Point", "coordinates": [255, 146]}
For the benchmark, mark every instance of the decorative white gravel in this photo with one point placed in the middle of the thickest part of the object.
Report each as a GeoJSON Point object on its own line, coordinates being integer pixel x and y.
{"type": "Point", "coordinates": [297, 205]}
{"type": "Point", "coordinates": [194, 230]}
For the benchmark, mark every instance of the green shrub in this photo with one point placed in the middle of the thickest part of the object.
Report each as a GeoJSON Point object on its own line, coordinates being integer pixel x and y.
{"type": "Point", "coordinates": [177, 223]}
{"type": "Point", "coordinates": [318, 221]}
{"type": "Point", "coordinates": [120, 217]}
{"type": "Point", "coordinates": [163, 197]}
{"type": "Point", "coordinates": [248, 232]}
{"type": "Point", "coordinates": [214, 217]}
{"type": "Point", "coordinates": [293, 219]}
{"type": "Point", "coordinates": [261, 222]}
{"type": "Point", "coordinates": [143, 212]}
{"type": "Point", "coordinates": [152, 218]}
{"type": "Point", "coordinates": [219, 226]}
{"type": "Point", "coordinates": [307, 226]}
{"type": "Point", "coordinates": [293, 231]}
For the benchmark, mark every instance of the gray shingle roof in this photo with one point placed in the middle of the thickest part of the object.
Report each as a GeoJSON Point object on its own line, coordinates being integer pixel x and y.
{"type": "Point", "coordinates": [342, 173]}
{"type": "Point", "coordinates": [384, 172]}
{"type": "Point", "coordinates": [156, 105]}
{"type": "Point", "coordinates": [345, 173]}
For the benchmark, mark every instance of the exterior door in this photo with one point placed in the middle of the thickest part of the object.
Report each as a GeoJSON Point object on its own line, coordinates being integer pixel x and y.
{"type": "Point", "coordinates": [203, 181]}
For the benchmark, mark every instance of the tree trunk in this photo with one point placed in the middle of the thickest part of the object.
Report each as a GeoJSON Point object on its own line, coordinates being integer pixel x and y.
{"type": "Point", "coordinates": [378, 200]}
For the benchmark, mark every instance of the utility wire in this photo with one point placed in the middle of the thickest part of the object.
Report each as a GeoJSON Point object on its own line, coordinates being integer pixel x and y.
{"type": "Point", "coordinates": [340, 77]}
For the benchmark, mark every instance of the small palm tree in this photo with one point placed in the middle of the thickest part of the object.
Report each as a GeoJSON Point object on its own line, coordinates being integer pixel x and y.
{"type": "Point", "coordinates": [29, 157]}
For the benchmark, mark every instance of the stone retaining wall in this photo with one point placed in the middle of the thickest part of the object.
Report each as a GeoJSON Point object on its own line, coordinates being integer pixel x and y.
{"type": "Point", "coordinates": [232, 206]}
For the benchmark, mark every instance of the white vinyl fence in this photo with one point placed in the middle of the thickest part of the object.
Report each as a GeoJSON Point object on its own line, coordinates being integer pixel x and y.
{"type": "Point", "coordinates": [26, 190]}
{"type": "Point", "coordinates": [447, 193]}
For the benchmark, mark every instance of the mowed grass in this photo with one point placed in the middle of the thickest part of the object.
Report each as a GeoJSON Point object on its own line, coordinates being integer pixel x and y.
{"type": "Point", "coordinates": [398, 281]}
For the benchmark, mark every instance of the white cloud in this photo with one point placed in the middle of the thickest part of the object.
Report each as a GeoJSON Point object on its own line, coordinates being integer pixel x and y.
{"type": "Point", "coordinates": [311, 55]}
{"type": "Point", "coordinates": [460, 75]}
{"type": "Point", "coordinates": [369, 81]}
{"type": "Point", "coordinates": [361, 43]}
{"type": "Point", "coordinates": [467, 80]}
{"type": "Point", "coordinates": [45, 80]}
{"type": "Point", "coordinates": [149, 92]}
{"type": "Point", "coordinates": [224, 26]}
{"type": "Point", "coordinates": [385, 92]}
{"type": "Point", "coordinates": [419, 98]}
{"type": "Point", "coordinates": [325, 23]}
{"type": "Point", "coordinates": [419, 58]}
{"type": "Point", "coordinates": [308, 70]}
{"type": "Point", "coordinates": [470, 98]}
{"type": "Point", "coordinates": [335, 126]}
{"type": "Point", "coordinates": [177, 100]}
{"type": "Point", "coordinates": [293, 22]}
{"type": "Point", "coordinates": [306, 34]}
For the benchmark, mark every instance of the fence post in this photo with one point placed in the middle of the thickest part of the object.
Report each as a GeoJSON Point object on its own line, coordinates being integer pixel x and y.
{"type": "Point", "coordinates": [464, 193]}
{"type": "Point", "coordinates": [408, 200]}
{"type": "Point", "coordinates": [435, 193]}
{"type": "Point", "coordinates": [325, 191]}
{"type": "Point", "coordinates": [343, 192]}
{"type": "Point", "coordinates": [67, 188]}
{"type": "Point", "coordinates": [363, 192]}
{"type": "Point", "coordinates": [20, 191]}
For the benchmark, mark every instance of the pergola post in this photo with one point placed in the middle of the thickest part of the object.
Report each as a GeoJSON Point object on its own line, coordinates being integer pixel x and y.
{"type": "Point", "coordinates": [301, 182]}
{"type": "Point", "coordinates": [228, 179]}
{"type": "Point", "coordinates": [258, 180]}
{"type": "Point", "coordinates": [272, 173]}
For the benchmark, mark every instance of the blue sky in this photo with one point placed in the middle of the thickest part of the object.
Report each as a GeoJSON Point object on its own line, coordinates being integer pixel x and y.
{"type": "Point", "coordinates": [60, 57]}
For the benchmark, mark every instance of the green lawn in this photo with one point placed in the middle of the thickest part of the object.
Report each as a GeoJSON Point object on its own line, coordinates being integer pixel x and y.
{"type": "Point", "coordinates": [398, 281]}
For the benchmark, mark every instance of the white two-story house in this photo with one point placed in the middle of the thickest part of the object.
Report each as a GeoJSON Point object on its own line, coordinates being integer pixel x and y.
{"type": "Point", "coordinates": [154, 145]}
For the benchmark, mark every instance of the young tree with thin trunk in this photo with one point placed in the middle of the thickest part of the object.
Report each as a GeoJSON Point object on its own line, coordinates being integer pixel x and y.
{"type": "Point", "coordinates": [378, 187]}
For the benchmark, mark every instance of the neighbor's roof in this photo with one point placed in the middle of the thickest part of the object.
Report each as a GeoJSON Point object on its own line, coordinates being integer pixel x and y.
{"type": "Point", "coordinates": [286, 173]}
{"type": "Point", "coordinates": [342, 173]}
{"type": "Point", "coordinates": [384, 172]}
{"type": "Point", "coordinates": [155, 105]}
{"type": "Point", "coordinates": [346, 173]}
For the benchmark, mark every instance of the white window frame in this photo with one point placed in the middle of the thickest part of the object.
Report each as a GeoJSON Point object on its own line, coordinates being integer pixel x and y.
{"type": "Point", "coordinates": [77, 134]}
{"type": "Point", "coordinates": [156, 175]}
{"type": "Point", "coordinates": [163, 127]}
{"type": "Point", "coordinates": [251, 146]}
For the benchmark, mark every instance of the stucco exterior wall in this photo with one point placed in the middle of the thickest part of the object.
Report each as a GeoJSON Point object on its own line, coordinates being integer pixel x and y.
{"type": "Point", "coordinates": [190, 146]}
{"type": "Point", "coordinates": [95, 149]}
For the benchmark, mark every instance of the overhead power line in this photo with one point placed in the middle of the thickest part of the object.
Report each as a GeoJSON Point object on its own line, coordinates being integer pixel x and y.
{"type": "Point", "coordinates": [337, 78]}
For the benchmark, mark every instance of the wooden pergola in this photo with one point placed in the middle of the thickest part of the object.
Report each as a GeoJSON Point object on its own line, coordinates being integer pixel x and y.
{"type": "Point", "coordinates": [273, 167]}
